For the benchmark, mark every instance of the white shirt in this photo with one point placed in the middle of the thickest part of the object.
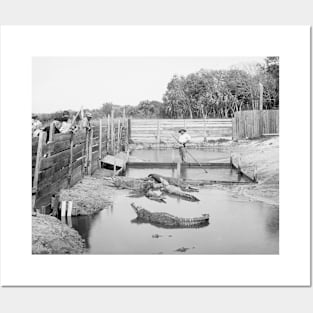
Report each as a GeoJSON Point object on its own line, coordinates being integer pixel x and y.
{"type": "Point", "coordinates": [66, 127]}
{"type": "Point", "coordinates": [184, 138]}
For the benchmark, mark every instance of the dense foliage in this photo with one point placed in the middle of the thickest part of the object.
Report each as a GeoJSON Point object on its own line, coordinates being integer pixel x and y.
{"type": "Point", "coordinates": [206, 93]}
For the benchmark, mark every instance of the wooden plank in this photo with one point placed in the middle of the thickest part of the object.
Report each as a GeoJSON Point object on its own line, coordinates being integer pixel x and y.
{"type": "Point", "coordinates": [70, 170]}
{"type": "Point", "coordinates": [111, 160]}
{"type": "Point", "coordinates": [41, 141]}
{"type": "Point", "coordinates": [51, 132]}
{"type": "Point", "coordinates": [79, 138]}
{"type": "Point", "coordinates": [108, 133]}
{"type": "Point", "coordinates": [63, 208]}
{"type": "Point", "coordinates": [61, 137]}
{"type": "Point", "coordinates": [90, 153]}
{"type": "Point", "coordinates": [77, 176]}
{"type": "Point", "coordinates": [54, 159]}
{"type": "Point", "coordinates": [100, 140]}
{"type": "Point", "coordinates": [118, 134]}
{"type": "Point", "coordinates": [54, 187]}
{"type": "Point", "coordinates": [87, 151]}
{"type": "Point", "coordinates": [174, 165]}
{"type": "Point", "coordinates": [53, 177]}
{"type": "Point", "coordinates": [112, 132]}
{"type": "Point", "coordinates": [94, 156]}
{"type": "Point", "coordinates": [69, 208]}
{"type": "Point", "coordinates": [55, 147]}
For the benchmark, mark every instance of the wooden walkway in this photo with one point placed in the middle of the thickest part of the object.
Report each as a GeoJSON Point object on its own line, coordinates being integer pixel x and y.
{"type": "Point", "coordinates": [174, 165]}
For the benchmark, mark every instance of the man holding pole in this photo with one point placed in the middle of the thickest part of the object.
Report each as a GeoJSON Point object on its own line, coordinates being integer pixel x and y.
{"type": "Point", "coordinates": [183, 139]}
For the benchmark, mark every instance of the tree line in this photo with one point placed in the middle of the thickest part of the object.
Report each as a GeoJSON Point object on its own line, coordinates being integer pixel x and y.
{"type": "Point", "coordinates": [205, 94]}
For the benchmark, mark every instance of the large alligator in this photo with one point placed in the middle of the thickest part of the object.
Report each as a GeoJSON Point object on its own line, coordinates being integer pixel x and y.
{"type": "Point", "coordinates": [146, 187]}
{"type": "Point", "coordinates": [165, 220]}
{"type": "Point", "coordinates": [178, 182]}
{"type": "Point", "coordinates": [176, 191]}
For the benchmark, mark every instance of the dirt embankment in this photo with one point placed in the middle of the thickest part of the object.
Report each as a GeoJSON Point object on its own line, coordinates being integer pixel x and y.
{"type": "Point", "coordinates": [89, 196]}
{"type": "Point", "coordinates": [262, 156]}
{"type": "Point", "coordinates": [51, 236]}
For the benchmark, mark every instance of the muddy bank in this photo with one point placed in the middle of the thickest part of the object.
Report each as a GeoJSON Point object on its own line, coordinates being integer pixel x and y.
{"type": "Point", "coordinates": [262, 156]}
{"type": "Point", "coordinates": [51, 236]}
{"type": "Point", "coordinates": [89, 196]}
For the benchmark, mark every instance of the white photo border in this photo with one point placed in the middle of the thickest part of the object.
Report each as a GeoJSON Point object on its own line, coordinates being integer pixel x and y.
{"type": "Point", "coordinates": [19, 44]}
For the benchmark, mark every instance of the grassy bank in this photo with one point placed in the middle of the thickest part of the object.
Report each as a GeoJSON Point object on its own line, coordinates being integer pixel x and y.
{"type": "Point", "coordinates": [51, 236]}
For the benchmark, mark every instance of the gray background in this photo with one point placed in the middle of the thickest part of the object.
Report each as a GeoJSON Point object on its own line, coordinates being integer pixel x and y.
{"type": "Point", "coordinates": [168, 12]}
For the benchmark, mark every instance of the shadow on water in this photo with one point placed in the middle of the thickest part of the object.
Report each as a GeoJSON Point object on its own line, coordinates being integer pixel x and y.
{"type": "Point", "coordinates": [83, 224]}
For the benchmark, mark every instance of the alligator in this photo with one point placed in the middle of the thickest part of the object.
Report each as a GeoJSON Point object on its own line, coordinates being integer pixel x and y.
{"type": "Point", "coordinates": [136, 184]}
{"type": "Point", "coordinates": [178, 182]}
{"type": "Point", "coordinates": [165, 220]}
{"type": "Point", "coordinates": [145, 187]}
{"type": "Point", "coordinates": [175, 191]}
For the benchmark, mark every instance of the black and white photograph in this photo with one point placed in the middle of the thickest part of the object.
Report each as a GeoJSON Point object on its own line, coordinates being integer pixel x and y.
{"type": "Point", "coordinates": [155, 155]}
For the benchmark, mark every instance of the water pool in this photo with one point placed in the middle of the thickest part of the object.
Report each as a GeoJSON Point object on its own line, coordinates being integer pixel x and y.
{"type": "Point", "coordinates": [237, 225]}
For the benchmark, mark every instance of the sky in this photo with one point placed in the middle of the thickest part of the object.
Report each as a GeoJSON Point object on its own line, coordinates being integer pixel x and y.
{"type": "Point", "coordinates": [60, 83]}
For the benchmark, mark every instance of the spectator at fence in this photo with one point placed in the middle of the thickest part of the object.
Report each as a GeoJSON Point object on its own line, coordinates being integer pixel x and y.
{"type": "Point", "coordinates": [66, 123]}
{"type": "Point", "coordinates": [87, 121]}
{"type": "Point", "coordinates": [56, 125]}
{"type": "Point", "coordinates": [36, 125]}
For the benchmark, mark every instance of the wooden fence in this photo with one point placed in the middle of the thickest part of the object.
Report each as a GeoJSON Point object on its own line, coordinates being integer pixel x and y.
{"type": "Point", "coordinates": [255, 123]}
{"type": "Point", "coordinates": [66, 158]}
{"type": "Point", "coordinates": [161, 130]}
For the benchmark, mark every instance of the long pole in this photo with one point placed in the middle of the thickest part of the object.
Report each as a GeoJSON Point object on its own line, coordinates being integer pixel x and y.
{"type": "Point", "coordinates": [192, 156]}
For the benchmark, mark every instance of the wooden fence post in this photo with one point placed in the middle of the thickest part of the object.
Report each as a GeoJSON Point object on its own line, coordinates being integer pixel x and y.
{"type": "Point", "coordinates": [90, 152]}
{"type": "Point", "coordinates": [41, 141]}
{"type": "Point", "coordinates": [204, 130]}
{"type": "Point", "coordinates": [112, 132]}
{"type": "Point", "coordinates": [158, 132]}
{"type": "Point", "coordinates": [51, 132]}
{"type": "Point", "coordinates": [178, 169]}
{"type": "Point", "coordinates": [100, 141]}
{"type": "Point", "coordinates": [71, 161]}
{"type": "Point", "coordinates": [108, 134]}
{"type": "Point", "coordinates": [118, 134]}
{"type": "Point", "coordinates": [86, 152]}
{"type": "Point", "coordinates": [261, 96]}
{"type": "Point", "coordinates": [129, 131]}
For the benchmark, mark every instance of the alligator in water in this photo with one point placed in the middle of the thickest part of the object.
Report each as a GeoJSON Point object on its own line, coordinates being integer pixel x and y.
{"type": "Point", "coordinates": [165, 220]}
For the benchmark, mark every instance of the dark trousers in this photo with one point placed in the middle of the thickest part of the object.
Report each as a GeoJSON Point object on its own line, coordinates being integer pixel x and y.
{"type": "Point", "coordinates": [182, 153]}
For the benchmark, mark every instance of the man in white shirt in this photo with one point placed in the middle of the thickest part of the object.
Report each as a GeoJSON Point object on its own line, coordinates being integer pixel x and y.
{"type": "Point", "coordinates": [183, 139]}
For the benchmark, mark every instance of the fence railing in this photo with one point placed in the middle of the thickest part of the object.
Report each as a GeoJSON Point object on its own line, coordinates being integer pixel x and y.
{"type": "Point", "coordinates": [64, 160]}
{"type": "Point", "coordinates": [255, 123]}
{"type": "Point", "coordinates": [162, 130]}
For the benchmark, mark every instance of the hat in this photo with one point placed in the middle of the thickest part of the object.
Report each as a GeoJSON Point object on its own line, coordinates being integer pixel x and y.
{"type": "Point", "coordinates": [66, 113]}
{"type": "Point", "coordinates": [88, 114]}
{"type": "Point", "coordinates": [182, 130]}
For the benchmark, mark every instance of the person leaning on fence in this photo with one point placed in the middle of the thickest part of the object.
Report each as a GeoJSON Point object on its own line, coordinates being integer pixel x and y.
{"type": "Point", "coordinates": [67, 124]}
{"type": "Point", "coordinates": [183, 139]}
{"type": "Point", "coordinates": [36, 125]}
{"type": "Point", "coordinates": [87, 121]}
{"type": "Point", "coordinates": [55, 125]}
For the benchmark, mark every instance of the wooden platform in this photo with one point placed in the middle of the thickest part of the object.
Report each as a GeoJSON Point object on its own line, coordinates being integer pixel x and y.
{"type": "Point", "coordinates": [174, 165]}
